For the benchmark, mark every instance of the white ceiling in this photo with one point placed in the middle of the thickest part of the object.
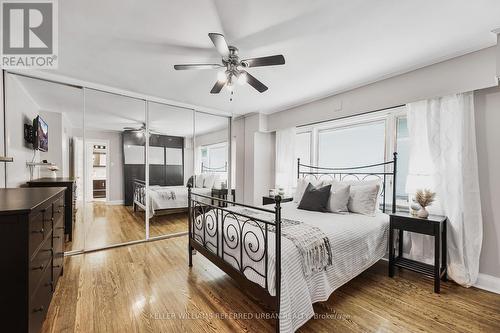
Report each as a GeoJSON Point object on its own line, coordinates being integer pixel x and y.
{"type": "Point", "coordinates": [329, 45]}
{"type": "Point", "coordinates": [111, 112]}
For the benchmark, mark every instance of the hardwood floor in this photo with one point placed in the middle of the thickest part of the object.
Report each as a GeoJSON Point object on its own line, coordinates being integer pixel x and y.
{"type": "Point", "coordinates": [149, 288]}
{"type": "Point", "coordinates": [101, 225]}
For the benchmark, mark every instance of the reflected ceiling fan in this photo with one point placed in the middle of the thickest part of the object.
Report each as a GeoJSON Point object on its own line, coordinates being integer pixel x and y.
{"type": "Point", "coordinates": [234, 66]}
{"type": "Point", "coordinates": [141, 129]}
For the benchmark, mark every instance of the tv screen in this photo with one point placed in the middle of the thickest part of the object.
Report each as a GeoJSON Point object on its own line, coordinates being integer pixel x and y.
{"type": "Point", "coordinates": [41, 130]}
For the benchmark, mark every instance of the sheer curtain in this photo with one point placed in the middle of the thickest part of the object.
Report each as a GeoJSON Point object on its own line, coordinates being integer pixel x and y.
{"type": "Point", "coordinates": [443, 145]}
{"type": "Point", "coordinates": [285, 158]}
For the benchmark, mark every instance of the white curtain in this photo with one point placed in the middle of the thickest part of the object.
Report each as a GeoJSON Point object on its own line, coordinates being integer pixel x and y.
{"type": "Point", "coordinates": [443, 146]}
{"type": "Point", "coordinates": [285, 158]}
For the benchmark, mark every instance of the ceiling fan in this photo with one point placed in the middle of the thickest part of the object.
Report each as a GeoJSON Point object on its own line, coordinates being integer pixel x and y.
{"type": "Point", "coordinates": [234, 67]}
{"type": "Point", "coordinates": [141, 129]}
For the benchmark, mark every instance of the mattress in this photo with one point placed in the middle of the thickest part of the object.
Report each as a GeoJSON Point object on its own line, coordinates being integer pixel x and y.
{"type": "Point", "coordinates": [357, 242]}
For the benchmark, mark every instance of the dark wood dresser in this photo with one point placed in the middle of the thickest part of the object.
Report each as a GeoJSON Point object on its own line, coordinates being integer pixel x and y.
{"type": "Point", "coordinates": [69, 200]}
{"type": "Point", "coordinates": [31, 252]}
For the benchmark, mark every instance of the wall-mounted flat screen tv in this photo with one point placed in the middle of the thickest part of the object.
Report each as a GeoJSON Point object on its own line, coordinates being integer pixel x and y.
{"type": "Point", "coordinates": [41, 137]}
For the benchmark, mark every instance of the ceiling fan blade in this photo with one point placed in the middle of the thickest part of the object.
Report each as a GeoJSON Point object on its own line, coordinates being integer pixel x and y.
{"type": "Point", "coordinates": [218, 87]}
{"type": "Point", "coordinates": [251, 80]}
{"type": "Point", "coordinates": [264, 61]}
{"type": "Point", "coordinates": [220, 44]}
{"type": "Point", "coordinates": [197, 66]}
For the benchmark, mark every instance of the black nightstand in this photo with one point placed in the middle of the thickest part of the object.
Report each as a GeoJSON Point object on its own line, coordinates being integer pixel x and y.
{"type": "Point", "coordinates": [267, 200]}
{"type": "Point", "coordinates": [223, 194]}
{"type": "Point", "coordinates": [434, 225]}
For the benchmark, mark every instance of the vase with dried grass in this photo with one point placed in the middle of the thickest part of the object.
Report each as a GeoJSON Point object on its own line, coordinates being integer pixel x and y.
{"type": "Point", "coordinates": [424, 198]}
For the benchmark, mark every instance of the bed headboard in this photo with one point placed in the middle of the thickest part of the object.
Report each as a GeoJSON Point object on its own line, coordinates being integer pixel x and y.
{"type": "Point", "coordinates": [385, 171]}
{"type": "Point", "coordinates": [221, 169]}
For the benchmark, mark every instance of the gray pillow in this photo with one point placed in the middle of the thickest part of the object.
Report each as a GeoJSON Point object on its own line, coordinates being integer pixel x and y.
{"type": "Point", "coordinates": [315, 198]}
{"type": "Point", "coordinates": [339, 198]}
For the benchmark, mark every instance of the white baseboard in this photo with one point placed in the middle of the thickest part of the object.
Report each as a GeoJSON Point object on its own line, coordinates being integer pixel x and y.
{"type": "Point", "coordinates": [115, 202]}
{"type": "Point", "coordinates": [488, 282]}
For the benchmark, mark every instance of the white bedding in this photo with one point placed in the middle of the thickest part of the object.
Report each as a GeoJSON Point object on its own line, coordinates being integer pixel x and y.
{"type": "Point", "coordinates": [167, 197]}
{"type": "Point", "coordinates": [357, 242]}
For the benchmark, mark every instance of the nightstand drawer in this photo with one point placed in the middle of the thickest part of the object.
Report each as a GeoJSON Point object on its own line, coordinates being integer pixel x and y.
{"type": "Point", "coordinates": [420, 226]}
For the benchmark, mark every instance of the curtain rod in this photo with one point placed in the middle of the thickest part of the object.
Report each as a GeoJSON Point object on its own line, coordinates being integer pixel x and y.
{"type": "Point", "coordinates": [108, 92]}
{"type": "Point", "coordinates": [350, 116]}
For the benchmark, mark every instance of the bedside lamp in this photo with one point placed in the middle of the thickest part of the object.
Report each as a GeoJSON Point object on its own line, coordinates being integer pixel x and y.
{"type": "Point", "coordinates": [416, 182]}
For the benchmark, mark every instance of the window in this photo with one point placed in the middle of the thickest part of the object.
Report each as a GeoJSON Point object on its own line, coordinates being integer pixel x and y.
{"type": "Point", "coordinates": [403, 149]}
{"type": "Point", "coordinates": [356, 145]}
{"type": "Point", "coordinates": [303, 147]}
{"type": "Point", "coordinates": [214, 156]}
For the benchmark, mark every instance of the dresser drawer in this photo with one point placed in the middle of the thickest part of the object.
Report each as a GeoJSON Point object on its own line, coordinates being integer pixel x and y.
{"type": "Point", "coordinates": [41, 260]}
{"type": "Point", "coordinates": [40, 302]}
{"type": "Point", "coordinates": [40, 226]}
{"type": "Point", "coordinates": [58, 258]}
{"type": "Point", "coordinates": [58, 209]}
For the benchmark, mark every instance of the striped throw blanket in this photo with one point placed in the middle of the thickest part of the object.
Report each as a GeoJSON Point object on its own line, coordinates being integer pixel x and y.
{"type": "Point", "coordinates": [312, 244]}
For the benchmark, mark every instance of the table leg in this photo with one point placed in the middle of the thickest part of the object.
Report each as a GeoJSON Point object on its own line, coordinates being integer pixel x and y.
{"type": "Point", "coordinates": [391, 252]}
{"type": "Point", "coordinates": [437, 256]}
{"type": "Point", "coordinates": [400, 244]}
{"type": "Point", "coordinates": [444, 253]}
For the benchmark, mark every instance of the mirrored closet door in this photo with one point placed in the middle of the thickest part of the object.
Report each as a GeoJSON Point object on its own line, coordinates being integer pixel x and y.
{"type": "Point", "coordinates": [211, 156]}
{"type": "Point", "coordinates": [115, 169]}
{"type": "Point", "coordinates": [44, 134]}
{"type": "Point", "coordinates": [170, 167]}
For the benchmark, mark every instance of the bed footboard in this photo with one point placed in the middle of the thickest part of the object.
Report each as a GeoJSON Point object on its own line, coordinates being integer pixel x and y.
{"type": "Point", "coordinates": [139, 187]}
{"type": "Point", "coordinates": [239, 244]}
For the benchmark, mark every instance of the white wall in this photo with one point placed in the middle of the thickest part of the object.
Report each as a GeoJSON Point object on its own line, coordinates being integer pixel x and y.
{"type": "Point", "coordinates": [54, 153]}
{"type": "Point", "coordinates": [264, 166]}
{"type": "Point", "coordinates": [466, 73]}
{"type": "Point", "coordinates": [498, 54]}
{"type": "Point", "coordinates": [20, 109]}
{"type": "Point", "coordinates": [487, 112]}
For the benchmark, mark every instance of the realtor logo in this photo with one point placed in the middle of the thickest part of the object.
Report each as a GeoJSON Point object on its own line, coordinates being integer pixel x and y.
{"type": "Point", "coordinates": [29, 34]}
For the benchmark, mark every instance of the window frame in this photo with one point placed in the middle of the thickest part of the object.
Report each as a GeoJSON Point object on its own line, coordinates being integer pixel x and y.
{"type": "Point", "coordinates": [389, 116]}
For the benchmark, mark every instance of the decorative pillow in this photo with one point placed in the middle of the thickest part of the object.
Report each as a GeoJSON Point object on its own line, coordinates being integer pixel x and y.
{"type": "Point", "coordinates": [339, 198]}
{"type": "Point", "coordinates": [199, 180]}
{"type": "Point", "coordinates": [302, 184]}
{"type": "Point", "coordinates": [315, 198]}
{"type": "Point", "coordinates": [363, 199]}
{"type": "Point", "coordinates": [209, 181]}
{"type": "Point", "coordinates": [355, 183]}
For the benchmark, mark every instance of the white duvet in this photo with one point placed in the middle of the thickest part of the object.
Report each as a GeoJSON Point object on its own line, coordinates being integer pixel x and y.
{"type": "Point", "coordinates": [167, 197]}
{"type": "Point", "coordinates": [357, 242]}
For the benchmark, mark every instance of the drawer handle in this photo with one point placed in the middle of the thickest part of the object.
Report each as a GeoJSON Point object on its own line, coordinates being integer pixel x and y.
{"type": "Point", "coordinates": [39, 309]}
{"type": "Point", "coordinates": [37, 267]}
{"type": "Point", "coordinates": [51, 219]}
{"type": "Point", "coordinates": [57, 266]}
{"type": "Point", "coordinates": [56, 237]}
{"type": "Point", "coordinates": [41, 231]}
{"type": "Point", "coordinates": [62, 206]}
{"type": "Point", "coordinates": [60, 228]}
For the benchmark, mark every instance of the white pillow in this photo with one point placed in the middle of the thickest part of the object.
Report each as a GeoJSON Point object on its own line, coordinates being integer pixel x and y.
{"type": "Point", "coordinates": [301, 188]}
{"type": "Point", "coordinates": [363, 199]}
{"type": "Point", "coordinates": [209, 181]}
{"type": "Point", "coordinates": [339, 197]}
{"type": "Point", "coordinates": [367, 182]}
{"type": "Point", "coordinates": [199, 179]}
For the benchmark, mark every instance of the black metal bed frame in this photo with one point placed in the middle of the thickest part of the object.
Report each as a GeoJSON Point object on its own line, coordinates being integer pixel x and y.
{"type": "Point", "coordinates": [222, 169]}
{"type": "Point", "coordinates": [211, 232]}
